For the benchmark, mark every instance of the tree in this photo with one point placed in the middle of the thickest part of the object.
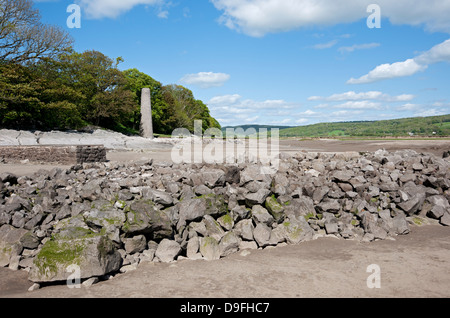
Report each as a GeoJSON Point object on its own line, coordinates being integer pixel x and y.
{"type": "Point", "coordinates": [184, 109]}
{"type": "Point", "coordinates": [106, 101]}
{"type": "Point", "coordinates": [23, 38]}
{"type": "Point", "coordinates": [136, 81]}
{"type": "Point", "coordinates": [32, 101]}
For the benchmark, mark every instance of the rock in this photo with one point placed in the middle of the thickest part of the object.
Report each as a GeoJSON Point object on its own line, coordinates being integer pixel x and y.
{"type": "Point", "coordinates": [244, 229]}
{"type": "Point", "coordinates": [135, 244]}
{"type": "Point", "coordinates": [445, 219]}
{"type": "Point", "coordinates": [104, 216]}
{"type": "Point", "coordinates": [400, 224]}
{"type": "Point", "coordinates": [193, 247]}
{"type": "Point", "coordinates": [167, 250]}
{"type": "Point", "coordinates": [34, 287]}
{"type": "Point", "coordinates": [209, 248]}
{"type": "Point", "coordinates": [342, 176]}
{"type": "Point", "coordinates": [157, 196]}
{"type": "Point", "coordinates": [229, 244]}
{"type": "Point", "coordinates": [275, 208]}
{"type": "Point", "coordinates": [93, 253]}
{"type": "Point", "coordinates": [257, 198]}
{"type": "Point", "coordinates": [211, 178]}
{"type": "Point", "coordinates": [331, 228]}
{"type": "Point", "coordinates": [196, 208]}
{"type": "Point", "coordinates": [10, 243]}
{"type": "Point", "coordinates": [296, 230]}
{"type": "Point", "coordinates": [262, 234]}
{"type": "Point", "coordinates": [232, 175]}
{"type": "Point", "coordinates": [411, 206]}
{"type": "Point", "coordinates": [145, 218]}
{"type": "Point", "coordinates": [213, 228]}
{"type": "Point", "coordinates": [226, 221]}
{"type": "Point", "coordinates": [89, 282]}
{"type": "Point", "coordinates": [329, 205]}
{"type": "Point", "coordinates": [247, 245]}
{"type": "Point", "coordinates": [261, 215]}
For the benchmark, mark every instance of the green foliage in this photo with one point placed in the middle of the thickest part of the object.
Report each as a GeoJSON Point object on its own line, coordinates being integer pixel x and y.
{"type": "Point", "coordinates": [173, 106]}
{"type": "Point", "coordinates": [419, 126]}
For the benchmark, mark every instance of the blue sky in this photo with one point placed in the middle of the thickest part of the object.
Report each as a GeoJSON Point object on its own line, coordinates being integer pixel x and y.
{"type": "Point", "coordinates": [290, 62]}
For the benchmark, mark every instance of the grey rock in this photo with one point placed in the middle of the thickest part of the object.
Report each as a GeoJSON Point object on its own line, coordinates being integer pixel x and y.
{"type": "Point", "coordinates": [196, 208]}
{"type": "Point", "coordinates": [193, 247]}
{"type": "Point", "coordinates": [244, 229]}
{"type": "Point", "coordinates": [262, 234]}
{"type": "Point", "coordinates": [145, 218]}
{"type": "Point", "coordinates": [209, 248]}
{"type": "Point", "coordinates": [229, 244]}
{"type": "Point", "coordinates": [135, 244]}
{"type": "Point", "coordinates": [157, 196]}
{"type": "Point", "coordinates": [329, 205]}
{"type": "Point", "coordinates": [257, 198]}
{"type": "Point", "coordinates": [10, 243]}
{"type": "Point", "coordinates": [94, 254]}
{"type": "Point", "coordinates": [213, 228]}
{"type": "Point", "coordinates": [167, 250]}
{"type": "Point", "coordinates": [261, 215]}
{"type": "Point", "coordinates": [331, 228]}
{"type": "Point", "coordinates": [296, 230]}
{"type": "Point", "coordinates": [445, 219]}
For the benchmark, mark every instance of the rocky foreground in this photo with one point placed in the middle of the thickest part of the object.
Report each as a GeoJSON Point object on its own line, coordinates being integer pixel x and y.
{"type": "Point", "coordinates": [106, 218]}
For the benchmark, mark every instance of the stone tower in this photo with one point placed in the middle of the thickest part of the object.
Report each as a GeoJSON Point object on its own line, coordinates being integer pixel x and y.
{"type": "Point", "coordinates": [146, 114]}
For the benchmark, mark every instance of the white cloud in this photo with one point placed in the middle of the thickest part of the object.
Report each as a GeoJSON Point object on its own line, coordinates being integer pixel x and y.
{"type": "Point", "coordinates": [371, 95]}
{"type": "Point", "coordinates": [364, 104]}
{"type": "Point", "coordinates": [429, 112]}
{"type": "Point", "coordinates": [205, 79]}
{"type": "Point", "coordinates": [259, 17]}
{"type": "Point", "coordinates": [348, 49]}
{"type": "Point", "coordinates": [237, 110]}
{"type": "Point", "coordinates": [97, 9]}
{"type": "Point", "coordinates": [225, 99]}
{"type": "Point", "coordinates": [438, 53]}
{"type": "Point", "coordinates": [327, 45]}
{"type": "Point", "coordinates": [408, 107]}
{"type": "Point", "coordinates": [163, 14]}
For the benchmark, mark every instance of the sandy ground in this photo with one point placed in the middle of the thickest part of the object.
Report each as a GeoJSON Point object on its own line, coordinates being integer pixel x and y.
{"type": "Point", "coordinates": [435, 146]}
{"type": "Point", "coordinates": [415, 265]}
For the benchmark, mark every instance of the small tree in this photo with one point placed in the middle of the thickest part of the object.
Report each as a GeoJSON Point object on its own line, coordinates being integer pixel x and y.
{"type": "Point", "coordinates": [23, 38]}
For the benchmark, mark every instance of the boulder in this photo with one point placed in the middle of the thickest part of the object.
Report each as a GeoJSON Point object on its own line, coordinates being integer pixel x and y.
{"type": "Point", "coordinates": [261, 215]}
{"type": "Point", "coordinates": [145, 218]}
{"type": "Point", "coordinates": [244, 229]}
{"type": "Point", "coordinates": [296, 230]}
{"type": "Point", "coordinates": [275, 208]}
{"type": "Point", "coordinates": [157, 196]}
{"type": "Point", "coordinates": [10, 243]}
{"type": "Point", "coordinates": [262, 234]}
{"type": "Point", "coordinates": [93, 253]}
{"type": "Point", "coordinates": [195, 208]}
{"type": "Point", "coordinates": [258, 197]}
{"type": "Point", "coordinates": [135, 244]}
{"type": "Point", "coordinates": [209, 248]}
{"type": "Point", "coordinates": [167, 250]}
{"type": "Point", "coordinates": [229, 244]}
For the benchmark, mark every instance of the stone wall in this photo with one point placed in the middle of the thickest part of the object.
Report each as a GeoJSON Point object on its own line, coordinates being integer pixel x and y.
{"type": "Point", "coordinates": [54, 154]}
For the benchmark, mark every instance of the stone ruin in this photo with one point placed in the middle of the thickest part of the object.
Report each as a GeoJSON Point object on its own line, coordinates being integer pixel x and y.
{"type": "Point", "coordinates": [106, 218]}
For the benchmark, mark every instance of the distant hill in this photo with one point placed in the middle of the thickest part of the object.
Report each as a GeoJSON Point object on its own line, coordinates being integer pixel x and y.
{"type": "Point", "coordinates": [247, 129]}
{"type": "Point", "coordinates": [417, 126]}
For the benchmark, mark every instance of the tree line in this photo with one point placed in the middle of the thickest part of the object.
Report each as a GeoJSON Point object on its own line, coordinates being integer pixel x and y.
{"type": "Point", "coordinates": [45, 84]}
